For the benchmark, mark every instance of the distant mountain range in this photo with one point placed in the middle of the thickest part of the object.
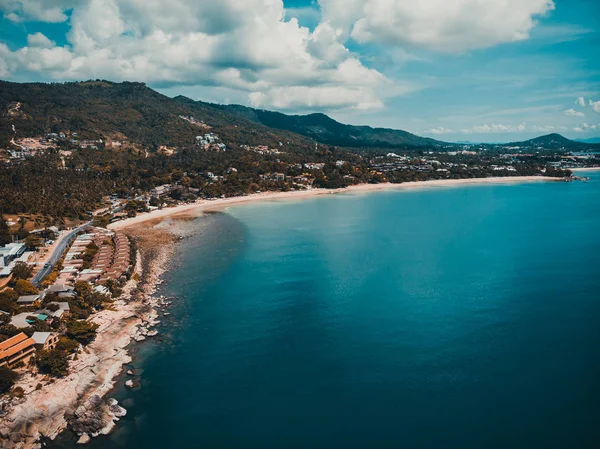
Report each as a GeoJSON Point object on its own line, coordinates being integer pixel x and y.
{"type": "Point", "coordinates": [322, 128]}
{"type": "Point", "coordinates": [591, 140]}
{"type": "Point", "coordinates": [132, 111]}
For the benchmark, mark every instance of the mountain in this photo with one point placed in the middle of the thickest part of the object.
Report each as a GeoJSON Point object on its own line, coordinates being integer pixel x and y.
{"type": "Point", "coordinates": [124, 111]}
{"type": "Point", "coordinates": [323, 128]}
{"type": "Point", "coordinates": [551, 142]}
{"type": "Point", "coordinates": [591, 140]}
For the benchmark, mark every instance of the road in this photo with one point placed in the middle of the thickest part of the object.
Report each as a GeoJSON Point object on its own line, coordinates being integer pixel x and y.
{"type": "Point", "coordinates": [57, 253]}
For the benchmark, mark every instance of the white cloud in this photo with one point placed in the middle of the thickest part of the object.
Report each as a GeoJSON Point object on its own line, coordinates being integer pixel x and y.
{"type": "Point", "coordinates": [440, 130]}
{"type": "Point", "coordinates": [249, 46]}
{"type": "Point", "coordinates": [441, 25]}
{"type": "Point", "coordinates": [581, 102]}
{"type": "Point", "coordinates": [595, 105]}
{"type": "Point", "coordinates": [543, 128]}
{"type": "Point", "coordinates": [586, 127]}
{"type": "Point", "coordinates": [42, 10]}
{"type": "Point", "coordinates": [573, 113]}
{"type": "Point", "coordinates": [39, 40]}
{"type": "Point", "coordinates": [483, 129]}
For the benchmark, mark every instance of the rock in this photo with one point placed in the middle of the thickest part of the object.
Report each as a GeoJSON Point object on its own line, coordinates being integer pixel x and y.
{"type": "Point", "coordinates": [129, 383]}
{"type": "Point", "coordinates": [117, 411]}
{"type": "Point", "coordinates": [93, 402]}
{"type": "Point", "coordinates": [152, 333]}
{"type": "Point", "coordinates": [129, 372]}
{"type": "Point", "coordinates": [84, 439]}
{"type": "Point", "coordinates": [111, 401]}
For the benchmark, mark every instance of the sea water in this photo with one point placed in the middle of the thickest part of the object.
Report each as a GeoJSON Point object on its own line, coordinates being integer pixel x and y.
{"type": "Point", "coordinates": [455, 318]}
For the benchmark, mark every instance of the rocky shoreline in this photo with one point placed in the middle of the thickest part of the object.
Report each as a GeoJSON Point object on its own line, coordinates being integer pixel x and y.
{"type": "Point", "coordinates": [78, 401]}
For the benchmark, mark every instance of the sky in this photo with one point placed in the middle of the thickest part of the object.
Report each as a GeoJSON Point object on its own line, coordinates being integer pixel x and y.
{"type": "Point", "coordinates": [460, 70]}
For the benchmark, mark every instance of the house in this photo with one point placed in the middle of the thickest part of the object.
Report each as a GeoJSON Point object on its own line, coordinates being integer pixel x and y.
{"type": "Point", "coordinates": [11, 252]}
{"type": "Point", "coordinates": [64, 306]}
{"type": "Point", "coordinates": [19, 348]}
{"type": "Point", "coordinates": [45, 340]}
{"type": "Point", "coordinates": [161, 190]}
{"type": "Point", "coordinates": [29, 300]}
{"type": "Point", "coordinates": [23, 320]}
{"type": "Point", "coordinates": [49, 314]}
{"type": "Point", "coordinates": [60, 288]}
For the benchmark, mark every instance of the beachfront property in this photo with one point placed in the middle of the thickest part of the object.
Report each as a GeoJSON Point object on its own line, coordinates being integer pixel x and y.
{"type": "Point", "coordinates": [95, 257]}
{"type": "Point", "coordinates": [19, 348]}
{"type": "Point", "coordinates": [45, 340]}
{"type": "Point", "coordinates": [110, 261]}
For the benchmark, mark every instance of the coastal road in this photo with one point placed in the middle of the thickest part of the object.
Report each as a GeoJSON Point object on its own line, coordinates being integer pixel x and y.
{"type": "Point", "coordinates": [65, 240]}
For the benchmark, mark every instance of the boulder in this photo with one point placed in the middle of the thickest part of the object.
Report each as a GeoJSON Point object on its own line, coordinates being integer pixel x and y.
{"type": "Point", "coordinates": [117, 411]}
{"type": "Point", "coordinates": [84, 439]}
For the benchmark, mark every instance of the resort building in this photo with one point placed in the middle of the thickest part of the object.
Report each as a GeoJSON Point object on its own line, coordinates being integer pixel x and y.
{"type": "Point", "coordinates": [45, 340]}
{"type": "Point", "coordinates": [19, 348]}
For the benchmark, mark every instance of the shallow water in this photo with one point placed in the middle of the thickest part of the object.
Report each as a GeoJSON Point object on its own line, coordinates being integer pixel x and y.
{"type": "Point", "coordinates": [465, 317]}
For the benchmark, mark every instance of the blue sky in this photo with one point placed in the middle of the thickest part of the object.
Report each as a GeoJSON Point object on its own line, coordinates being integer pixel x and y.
{"type": "Point", "coordinates": [498, 70]}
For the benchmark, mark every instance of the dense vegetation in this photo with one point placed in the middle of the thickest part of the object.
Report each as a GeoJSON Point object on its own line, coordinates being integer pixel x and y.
{"type": "Point", "coordinates": [321, 127]}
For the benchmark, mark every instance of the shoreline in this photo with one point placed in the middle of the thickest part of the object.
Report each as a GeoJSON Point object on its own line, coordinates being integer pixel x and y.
{"type": "Point", "coordinates": [222, 203]}
{"type": "Point", "coordinates": [576, 170]}
{"type": "Point", "coordinates": [81, 399]}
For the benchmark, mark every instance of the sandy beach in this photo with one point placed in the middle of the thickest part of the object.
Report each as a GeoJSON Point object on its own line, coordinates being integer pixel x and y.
{"type": "Point", "coordinates": [222, 203]}
{"type": "Point", "coordinates": [578, 170]}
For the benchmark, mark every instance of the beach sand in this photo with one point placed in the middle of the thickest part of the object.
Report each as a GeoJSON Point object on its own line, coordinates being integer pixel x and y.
{"type": "Point", "coordinates": [200, 206]}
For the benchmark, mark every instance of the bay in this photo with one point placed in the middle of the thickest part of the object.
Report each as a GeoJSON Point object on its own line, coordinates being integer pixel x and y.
{"type": "Point", "coordinates": [464, 317]}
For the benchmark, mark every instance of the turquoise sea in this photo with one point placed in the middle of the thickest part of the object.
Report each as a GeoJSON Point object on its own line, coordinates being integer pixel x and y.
{"type": "Point", "coordinates": [454, 318]}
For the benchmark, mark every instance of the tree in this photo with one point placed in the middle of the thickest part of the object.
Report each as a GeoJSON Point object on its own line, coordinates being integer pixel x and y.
{"type": "Point", "coordinates": [5, 237]}
{"type": "Point", "coordinates": [82, 288]}
{"type": "Point", "coordinates": [33, 241]}
{"type": "Point", "coordinates": [24, 287]}
{"type": "Point", "coordinates": [82, 331]}
{"type": "Point", "coordinates": [7, 301]}
{"type": "Point", "coordinates": [53, 362]}
{"type": "Point", "coordinates": [67, 345]}
{"type": "Point", "coordinates": [7, 379]}
{"type": "Point", "coordinates": [21, 271]}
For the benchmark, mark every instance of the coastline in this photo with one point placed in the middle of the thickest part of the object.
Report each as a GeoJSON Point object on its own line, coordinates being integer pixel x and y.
{"type": "Point", "coordinates": [585, 169]}
{"type": "Point", "coordinates": [78, 400]}
{"type": "Point", "coordinates": [222, 203]}
{"type": "Point", "coordinates": [50, 410]}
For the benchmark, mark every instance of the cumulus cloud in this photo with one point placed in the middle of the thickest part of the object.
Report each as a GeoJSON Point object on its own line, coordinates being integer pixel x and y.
{"type": "Point", "coordinates": [573, 113]}
{"type": "Point", "coordinates": [39, 40]}
{"type": "Point", "coordinates": [581, 102]}
{"type": "Point", "coordinates": [595, 105]}
{"type": "Point", "coordinates": [248, 46]}
{"type": "Point", "coordinates": [441, 25]}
